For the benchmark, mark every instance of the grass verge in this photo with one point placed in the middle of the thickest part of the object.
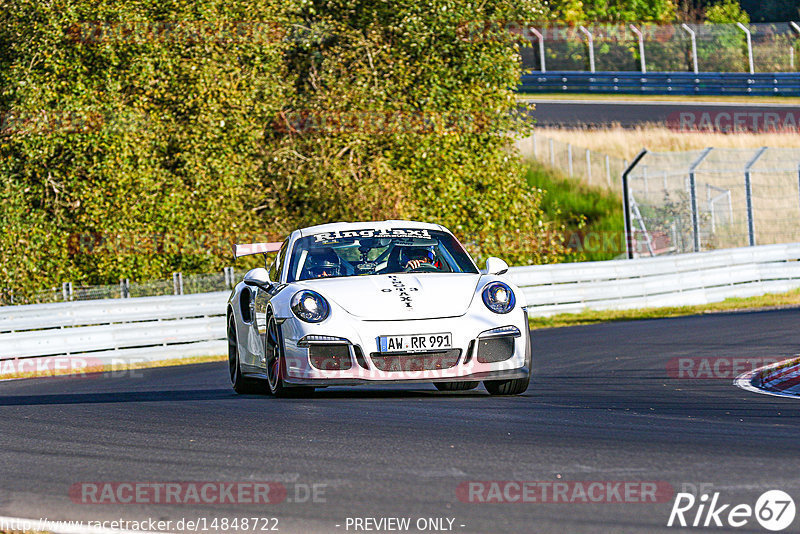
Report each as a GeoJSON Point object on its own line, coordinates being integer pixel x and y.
{"type": "Point", "coordinates": [111, 368]}
{"type": "Point", "coordinates": [591, 216]}
{"type": "Point", "coordinates": [769, 301]}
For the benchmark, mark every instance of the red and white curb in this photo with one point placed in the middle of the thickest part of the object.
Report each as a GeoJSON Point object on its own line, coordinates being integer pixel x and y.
{"type": "Point", "coordinates": [780, 379]}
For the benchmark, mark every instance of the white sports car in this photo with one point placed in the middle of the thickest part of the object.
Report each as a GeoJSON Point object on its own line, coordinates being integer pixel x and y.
{"type": "Point", "coordinates": [375, 302]}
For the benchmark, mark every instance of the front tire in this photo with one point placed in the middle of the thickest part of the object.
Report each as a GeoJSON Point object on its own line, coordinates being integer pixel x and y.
{"type": "Point", "coordinates": [276, 364]}
{"type": "Point", "coordinates": [515, 386]}
{"type": "Point", "coordinates": [240, 384]}
{"type": "Point", "coordinates": [455, 386]}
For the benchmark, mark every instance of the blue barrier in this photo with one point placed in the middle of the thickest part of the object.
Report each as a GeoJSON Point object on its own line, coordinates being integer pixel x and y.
{"type": "Point", "coordinates": [663, 83]}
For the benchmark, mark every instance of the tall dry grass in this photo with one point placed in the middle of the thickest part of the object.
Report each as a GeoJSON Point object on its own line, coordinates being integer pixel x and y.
{"type": "Point", "coordinates": [626, 143]}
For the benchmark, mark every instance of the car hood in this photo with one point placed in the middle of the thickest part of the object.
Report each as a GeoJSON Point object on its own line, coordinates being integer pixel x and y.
{"type": "Point", "coordinates": [400, 296]}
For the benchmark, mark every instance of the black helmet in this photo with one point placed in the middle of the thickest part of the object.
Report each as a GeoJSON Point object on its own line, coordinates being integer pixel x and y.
{"type": "Point", "coordinates": [323, 262]}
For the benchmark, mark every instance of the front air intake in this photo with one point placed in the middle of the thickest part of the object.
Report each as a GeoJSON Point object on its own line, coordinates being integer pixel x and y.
{"type": "Point", "coordinates": [415, 361]}
{"type": "Point", "coordinates": [330, 357]}
{"type": "Point", "coordinates": [495, 349]}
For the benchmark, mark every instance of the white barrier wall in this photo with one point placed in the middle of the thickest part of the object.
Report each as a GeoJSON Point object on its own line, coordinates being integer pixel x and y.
{"type": "Point", "coordinates": [149, 328]}
{"type": "Point", "coordinates": [679, 280]}
{"type": "Point", "coordinates": [153, 328]}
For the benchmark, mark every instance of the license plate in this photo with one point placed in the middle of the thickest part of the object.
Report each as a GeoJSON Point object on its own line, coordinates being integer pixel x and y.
{"type": "Point", "coordinates": [413, 343]}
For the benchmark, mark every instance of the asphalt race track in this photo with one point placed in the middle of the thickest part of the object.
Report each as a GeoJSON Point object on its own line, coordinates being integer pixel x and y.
{"type": "Point", "coordinates": [602, 407]}
{"type": "Point", "coordinates": [567, 113]}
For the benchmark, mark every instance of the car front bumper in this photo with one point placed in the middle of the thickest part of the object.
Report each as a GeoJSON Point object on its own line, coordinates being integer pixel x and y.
{"type": "Point", "coordinates": [356, 341]}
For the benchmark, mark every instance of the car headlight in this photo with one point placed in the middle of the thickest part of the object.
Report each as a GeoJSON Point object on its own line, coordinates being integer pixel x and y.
{"type": "Point", "coordinates": [498, 297]}
{"type": "Point", "coordinates": [310, 306]}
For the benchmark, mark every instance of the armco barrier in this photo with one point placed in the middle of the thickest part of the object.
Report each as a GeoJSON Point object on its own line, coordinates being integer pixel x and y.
{"type": "Point", "coordinates": [679, 280]}
{"type": "Point", "coordinates": [662, 83]}
{"type": "Point", "coordinates": [155, 328]}
{"type": "Point", "coordinates": [149, 328]}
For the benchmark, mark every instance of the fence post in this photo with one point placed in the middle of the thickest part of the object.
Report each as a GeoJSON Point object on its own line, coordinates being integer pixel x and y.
{"type": "Point", "coordinates": [710, 201]}
{"type": "Point", "coordinates": [639, 35]}
{"type": "Point", "coordinates": [693, 198]}
{"type": "Point", "coordinates": [540, 38]}
{"type": "Point", "coordinates": [569, 158]}
{"type": "Point", "coordinates": [693, 37]}
{"type": "Point", "coordinates": [535, 152]}
{"type": "Point", "coordinates": [124, 288]}
{"type": "Point", "coordinates": [626, 204]}
{"type": "Point", "coordinates": [644, 180]}
{"type": "Point", "coordinates": [590, 40]}
{"type": "Point", "coordinates": [796, 28]}
{"type": "Point", "coordinates": [177, 284]}
{"type": "Point", "coordinates": [228, 277]}
{"type": "Point", "coordinates": [748, 186]}
{"type": "Point", "coordinates": [749, 46]}
{"type": "Point", "coordinates": [552, 154]}
{"type": "Point", "coordinates": [589, 165]}
{"type": "Point", "coordinates": [608, 170]}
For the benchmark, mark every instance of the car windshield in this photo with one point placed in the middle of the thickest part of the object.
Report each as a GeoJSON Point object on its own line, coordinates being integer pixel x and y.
{"type": "Point", "coordinates": [377, 251]}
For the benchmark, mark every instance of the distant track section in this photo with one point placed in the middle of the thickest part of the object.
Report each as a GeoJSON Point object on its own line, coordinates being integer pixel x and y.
{"type": "Point", "coordinates": [571, 113]}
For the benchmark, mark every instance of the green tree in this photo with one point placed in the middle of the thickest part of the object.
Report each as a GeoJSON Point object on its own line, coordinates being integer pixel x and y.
{"type": "Point", "coordinates": [612, 11]}
{"type": "Point", "coordinates": [439, 79]}
{"type": "Point", "coordinates": [130, 141]}
{"type": "Point", "coordinates": [138, 138]}
{"type": "Point", "coordinates": [726, 12]}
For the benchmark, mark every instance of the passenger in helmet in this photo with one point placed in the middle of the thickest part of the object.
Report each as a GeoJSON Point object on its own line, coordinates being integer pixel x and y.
{"type": "Point", "coordinates": [323, 263]}
{"type": "Point", "coordinates": [412, 257]}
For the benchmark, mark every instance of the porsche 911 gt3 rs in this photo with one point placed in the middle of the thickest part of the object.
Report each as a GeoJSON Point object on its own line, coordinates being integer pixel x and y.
{"type": "Point", "coordinates": [375, 302]}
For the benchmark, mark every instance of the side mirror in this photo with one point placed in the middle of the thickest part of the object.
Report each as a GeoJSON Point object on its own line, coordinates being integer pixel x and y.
{"type": "Point", "coordinates": [496, 266]}
{"type": "Point", "coordinates": [258, 277]}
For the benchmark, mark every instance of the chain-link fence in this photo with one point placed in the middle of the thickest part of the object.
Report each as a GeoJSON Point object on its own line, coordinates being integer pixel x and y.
{"type": "Point", "coordinates": [714, 198]}
{"type": "Point", "coordinates": [177, 285]}
{"type": "Point", "coordinates": [763, 47]}
{"type": "Point", "coordinates": [590, 166]}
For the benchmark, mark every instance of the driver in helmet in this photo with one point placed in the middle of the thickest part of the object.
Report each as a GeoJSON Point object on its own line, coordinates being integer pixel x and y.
{"type": "Point", "coordinates": [412, 257]}
{"type": "Point", "coordinates": [323, 263]}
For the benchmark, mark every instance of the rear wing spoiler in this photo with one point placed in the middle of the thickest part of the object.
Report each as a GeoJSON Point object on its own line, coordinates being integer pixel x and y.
{"type": "Point", "coordinates": [249, 249]}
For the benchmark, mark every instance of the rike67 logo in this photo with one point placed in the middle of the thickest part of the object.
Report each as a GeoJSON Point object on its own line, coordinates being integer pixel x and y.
{"type": "Point", "coordinates": [774, 510]}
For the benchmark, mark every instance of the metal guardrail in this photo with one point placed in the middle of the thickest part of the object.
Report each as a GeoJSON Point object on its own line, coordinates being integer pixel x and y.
{"type": "Point", "coordinates": [662, 83]}
{"type": "Point", "coordinates": [679, 280]}
{"type": "Point", "coordinates": [156, 328]}
{"type": "Point", "coordinates": [151, 327]}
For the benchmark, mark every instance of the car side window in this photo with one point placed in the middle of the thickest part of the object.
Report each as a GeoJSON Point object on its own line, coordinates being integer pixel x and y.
{"type": "Point", "coordinates": [277, 267]}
